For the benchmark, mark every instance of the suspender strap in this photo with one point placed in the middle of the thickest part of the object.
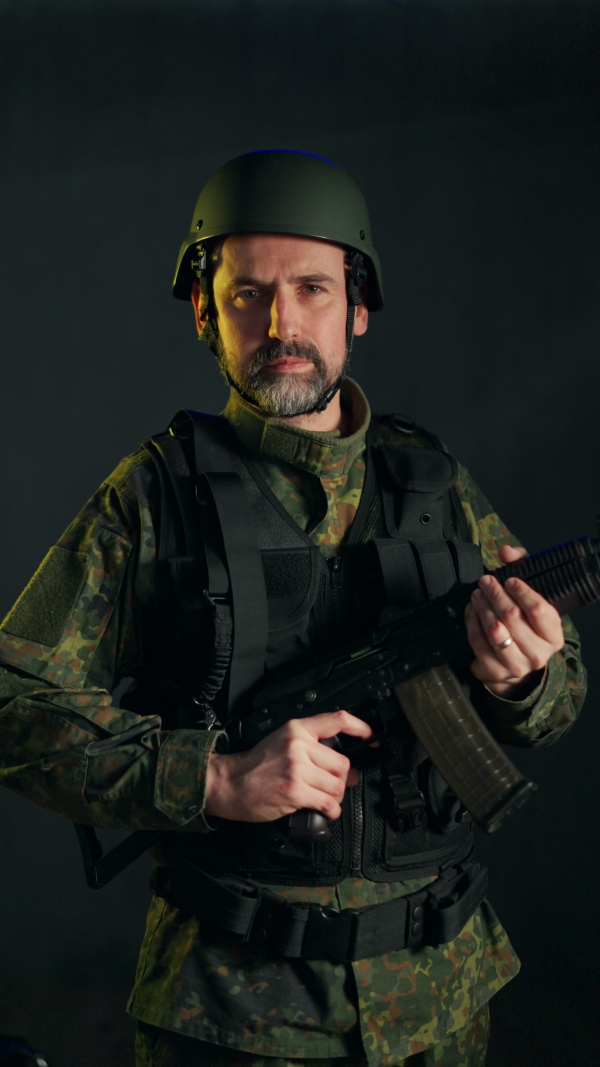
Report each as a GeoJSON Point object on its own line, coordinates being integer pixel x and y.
{"type": "Point", "coordinates": [246, 578]}
{"type": "Point", "coordinates": [179, 531]}
{"type": "Point", "coordinates": [432, 916]}
{"type": "Point", "coordinates": [217, 526]}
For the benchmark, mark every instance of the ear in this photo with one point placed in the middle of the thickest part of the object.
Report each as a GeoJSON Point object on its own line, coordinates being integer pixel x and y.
{"type": "Point", "coordinates": [361, 315]}
{"type": "Point", "coordinates": [199, 303]}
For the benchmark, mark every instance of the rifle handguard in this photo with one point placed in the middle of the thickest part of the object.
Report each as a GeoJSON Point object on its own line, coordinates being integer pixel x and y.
{"type": "Point", "coordinates": [567, 575]}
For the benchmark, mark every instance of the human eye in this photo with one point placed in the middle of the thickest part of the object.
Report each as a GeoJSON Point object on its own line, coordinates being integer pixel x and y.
{"type": "Point", "coordinates": [247, 295]}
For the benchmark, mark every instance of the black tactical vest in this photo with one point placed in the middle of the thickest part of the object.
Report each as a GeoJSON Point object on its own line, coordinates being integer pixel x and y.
{"type": "Point", "coordinates": [409, 542]}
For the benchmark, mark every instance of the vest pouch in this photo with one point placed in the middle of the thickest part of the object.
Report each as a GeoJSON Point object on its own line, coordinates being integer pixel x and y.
{"type": "Point", "coordinates": [396, 850]}
{"type": "Point", "coordinates": [398, 573]}
{"type": "Point", "coordinates": [468, 561]}
{"type": "Point", "coordinates": [438, 572]}
{"type": "Point", "coordinates": [411, 574]}
{"type": "Point", "coordinates": [265, 852]}
{"type": "Point", "coordinates": [292, 583]}
{"type": "Point", "coordinates": [446, 810]}
{"type": "Point", "coordinates": [420, 470]}
{"type": "Point", "coordinates": [291, 580]}
{"type": "Point", "coordinates": [416, 504]}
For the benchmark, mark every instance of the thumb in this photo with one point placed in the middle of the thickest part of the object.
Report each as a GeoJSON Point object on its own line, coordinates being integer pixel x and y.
{"type": "Point", "coordinates": [510, 553]}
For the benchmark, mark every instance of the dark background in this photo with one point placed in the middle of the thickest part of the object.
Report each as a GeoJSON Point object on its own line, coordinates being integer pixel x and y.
{"type": "Point", "coordinates": [472, 128]}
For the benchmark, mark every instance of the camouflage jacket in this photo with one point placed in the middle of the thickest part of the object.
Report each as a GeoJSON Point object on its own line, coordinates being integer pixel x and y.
{"type": "Point", "coordinates": [78, 629]}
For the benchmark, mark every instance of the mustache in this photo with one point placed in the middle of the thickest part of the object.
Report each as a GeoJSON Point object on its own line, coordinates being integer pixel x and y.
{"type": "Point", "coordinates": [274, 350]}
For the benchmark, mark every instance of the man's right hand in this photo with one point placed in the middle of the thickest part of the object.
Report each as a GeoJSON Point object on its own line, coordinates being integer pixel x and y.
{"type": "Point", "coordinates": [286, 771]}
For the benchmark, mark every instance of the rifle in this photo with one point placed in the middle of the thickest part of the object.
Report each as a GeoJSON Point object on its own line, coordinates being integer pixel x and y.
{"type": "Point", "coordinates": [401, 667]}
{"type": "Point", "coordinates": [404, 667]}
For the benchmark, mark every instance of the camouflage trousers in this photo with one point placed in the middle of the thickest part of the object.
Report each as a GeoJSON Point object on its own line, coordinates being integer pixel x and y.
{"type": "Point", "coordinates": [163, 1048]}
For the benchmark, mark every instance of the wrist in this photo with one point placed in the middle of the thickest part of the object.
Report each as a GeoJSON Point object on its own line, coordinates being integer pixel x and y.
{"type": "Point", "coordinates": [517, 691]}
{"type": "Point", "coordinates": [220, 799]}
{"type": "Point", "coordinates": [214, 784]}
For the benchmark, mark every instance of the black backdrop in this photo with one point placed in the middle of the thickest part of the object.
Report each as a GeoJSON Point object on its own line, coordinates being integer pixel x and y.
{"type": "Point", "coordinates": [472, 128]}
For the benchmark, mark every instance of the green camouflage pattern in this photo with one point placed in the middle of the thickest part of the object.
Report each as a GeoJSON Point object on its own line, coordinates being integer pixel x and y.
{"type": "Point", "coordinates": [384, 1009]}
{"type": "Point", "coordinates": [342, 491]}
{"type": "Point", "coordinates": [65, 746]}
{"type": "Point", "coordinates": [323, 505]}
{"type": "Point", "coordinates": [55, 702]}
{"type": "Point", "coordinates": [465, 1047]}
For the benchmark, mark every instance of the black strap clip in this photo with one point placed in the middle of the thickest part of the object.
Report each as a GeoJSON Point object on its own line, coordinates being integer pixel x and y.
{"type": "Point", "coordinates": [330, 933]}
{"type": "Point", "coordinates": [410, 808]}
{"type": "Point", "coordinates": [454, 900]}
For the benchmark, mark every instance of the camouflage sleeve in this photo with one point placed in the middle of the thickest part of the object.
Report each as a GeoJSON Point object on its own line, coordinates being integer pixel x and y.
{"type": "Point", "coordinates": [552, 708]}
{"type": "Point", "coordinates": [72, 635]}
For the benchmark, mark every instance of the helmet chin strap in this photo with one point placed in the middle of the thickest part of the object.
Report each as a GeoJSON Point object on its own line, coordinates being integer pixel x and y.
{"type": "Point", "coordinates": [325, 398]}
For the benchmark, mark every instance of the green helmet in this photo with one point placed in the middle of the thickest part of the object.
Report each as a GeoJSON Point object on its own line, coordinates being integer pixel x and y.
{"type": "Point", "coordinates": [281, 191]}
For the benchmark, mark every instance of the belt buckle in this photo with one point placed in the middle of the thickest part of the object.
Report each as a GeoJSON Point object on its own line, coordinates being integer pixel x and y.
{"type": "Point", "coordinates": [330, 933]}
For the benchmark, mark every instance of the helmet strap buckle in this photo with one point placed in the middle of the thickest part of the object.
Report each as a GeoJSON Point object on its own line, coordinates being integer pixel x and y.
{"type": "Point", "coordinates": [356, 277]}
{"type": "Point", "coordinates": [199, 265]}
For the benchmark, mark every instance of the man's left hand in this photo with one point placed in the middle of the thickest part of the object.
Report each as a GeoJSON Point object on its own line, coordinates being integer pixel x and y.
{"type": "Point", "coordinates": [513, 632]}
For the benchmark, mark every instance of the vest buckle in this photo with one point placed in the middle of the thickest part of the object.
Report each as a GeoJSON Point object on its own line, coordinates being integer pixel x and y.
{"type": "Point", "coordinates": [410, 807]}
{"type": "Point", "coordinates": [330, 933]}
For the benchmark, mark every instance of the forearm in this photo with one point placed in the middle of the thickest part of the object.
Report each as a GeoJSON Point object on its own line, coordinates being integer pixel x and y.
{"type": "Point", "coordinates": [77, 630]}
{"type": "Point", "coordinates": [107, 767]}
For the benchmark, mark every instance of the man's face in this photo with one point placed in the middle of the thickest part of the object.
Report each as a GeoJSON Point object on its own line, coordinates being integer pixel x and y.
{"type": "Point", "coordinates": [281, 311]}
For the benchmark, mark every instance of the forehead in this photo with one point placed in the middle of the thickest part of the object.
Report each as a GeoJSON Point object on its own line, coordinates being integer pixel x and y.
{"type": "Point", "coordinates": [257, 253]}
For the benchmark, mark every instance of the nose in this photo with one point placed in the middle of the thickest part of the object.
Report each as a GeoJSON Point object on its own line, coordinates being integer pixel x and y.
{"type": "Point", "coordinates": [284, 324]}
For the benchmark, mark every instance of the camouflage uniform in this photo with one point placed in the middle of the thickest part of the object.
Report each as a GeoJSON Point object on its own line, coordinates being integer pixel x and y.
{"type": "Point", "coordinates": [465, 1047]}
{"type": "Point", "coordinates": [79, 628]}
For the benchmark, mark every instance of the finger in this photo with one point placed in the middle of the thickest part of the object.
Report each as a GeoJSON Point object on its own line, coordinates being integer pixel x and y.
{"type": "Point", "coordinates": [329, 759]}
{"type": "Point", "coordinates": [531, 621]}
{"type": "Point", "coordinates": [527, 652]}
{"type": "Point", "coordinates": [542, 617]}
{"type": "Point", "coordinates": [316, 778]}
{"type": "Point", "coordinates": [331, 787]}
{"type": "Point", "coordinates": [317, 800]}
{"type": "Point", "coordinates": [306, 760]}
{"type": "Point", "coordinates": [511, 553]}
{"type": "Point", "coordinates": [497, 599]}
{"type": "Point", "coordinates": [353, 778]}
{"type": "Point", "coordinates": [347, 781]}
{"type": "Point", "coordinates": [490, 665]}
{"type": "Point", "coordinates": [336, 722]}
{"type": "Point", "coordinates": [516, 648]}
{"type": "Point", "coordinates": [495, 630]}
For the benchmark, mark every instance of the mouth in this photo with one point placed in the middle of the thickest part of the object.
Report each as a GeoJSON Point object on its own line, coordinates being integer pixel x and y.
{"type": "Point", "coordinates": [288, 363]}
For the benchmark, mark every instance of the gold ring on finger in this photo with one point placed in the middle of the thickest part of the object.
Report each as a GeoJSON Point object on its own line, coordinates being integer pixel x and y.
{"type": "Point", "coordinates": [503, 644]}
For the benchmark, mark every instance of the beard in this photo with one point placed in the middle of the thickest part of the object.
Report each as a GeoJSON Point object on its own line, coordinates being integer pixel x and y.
{"type": "Point", "coordinates": [282, 394]}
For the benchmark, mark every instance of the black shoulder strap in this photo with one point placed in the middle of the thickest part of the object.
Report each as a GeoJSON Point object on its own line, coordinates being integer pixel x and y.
{"type": "Point", "coordinates": [204, 514]}
{"type": "Point", "coordinates": [220, 494]}
{"type": "Point", "coordinates": [246, 579]}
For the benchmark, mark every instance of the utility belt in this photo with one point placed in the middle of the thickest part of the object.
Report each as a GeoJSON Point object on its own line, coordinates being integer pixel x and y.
{"type": "Point", "coordinates": [432, 916]}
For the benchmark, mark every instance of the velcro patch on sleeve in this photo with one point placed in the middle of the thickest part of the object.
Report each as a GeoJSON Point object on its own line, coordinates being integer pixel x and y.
{"type": "Point", "coordinates": [42, 610]}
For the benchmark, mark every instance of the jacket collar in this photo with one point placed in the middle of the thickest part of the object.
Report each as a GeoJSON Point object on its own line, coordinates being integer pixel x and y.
{"type": "Point", "coordinates": [317, 452]}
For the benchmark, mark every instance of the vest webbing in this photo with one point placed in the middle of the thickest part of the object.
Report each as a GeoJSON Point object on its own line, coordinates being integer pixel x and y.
{"type": "Point", "coordinates": [215, 542]}
{"type": "Point", "coordinates": [404, 465]}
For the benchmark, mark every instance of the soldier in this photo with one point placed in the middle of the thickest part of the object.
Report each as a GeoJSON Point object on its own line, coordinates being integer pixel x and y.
{"type": "Point", "coordinates": [157, 579]}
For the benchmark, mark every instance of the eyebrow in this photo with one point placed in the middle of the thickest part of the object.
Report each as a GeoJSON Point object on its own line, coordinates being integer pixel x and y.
{"type": "Point", "coordinates": [246, 279]}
